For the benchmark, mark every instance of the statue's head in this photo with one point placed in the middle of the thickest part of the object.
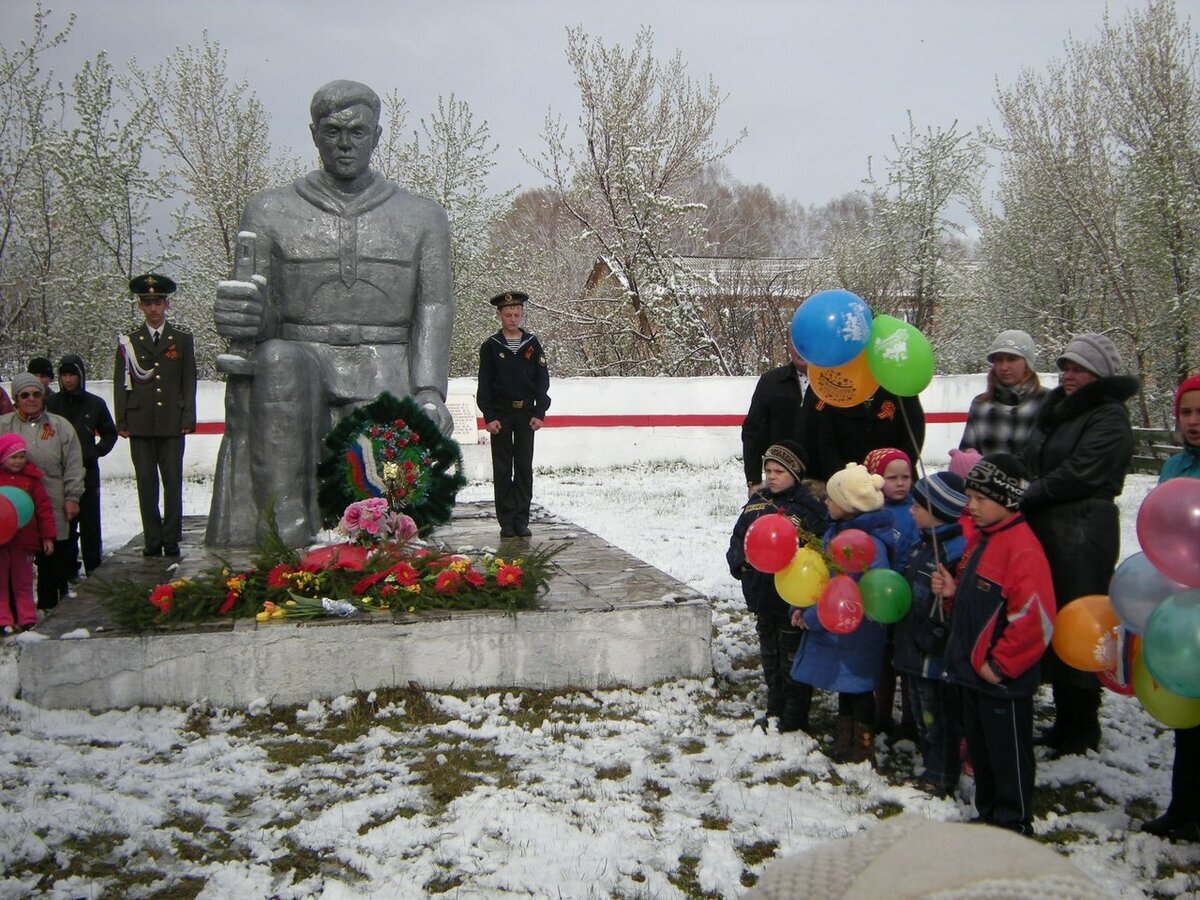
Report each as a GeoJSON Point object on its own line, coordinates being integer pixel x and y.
{"type": "Point", "coordinates": [345, 127]}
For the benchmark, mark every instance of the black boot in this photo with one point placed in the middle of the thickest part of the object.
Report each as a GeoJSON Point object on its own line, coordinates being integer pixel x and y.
{"type": "Point", "coordinates": [843, 739]}
{"type": "Point", "coordinates": [797, 701]}
{"type": "Point", "coordinates": [1083, 733]}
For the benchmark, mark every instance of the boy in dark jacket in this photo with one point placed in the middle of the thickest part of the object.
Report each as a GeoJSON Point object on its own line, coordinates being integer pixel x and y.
{"type": "Point", "coordinates": [1002, 622]}
{"type": "Point", "coordinates": [920, 638]}
{"type": "Point", "coordinates": [97, 435]}
{"type": "Point", "coordinates": [783, 466]}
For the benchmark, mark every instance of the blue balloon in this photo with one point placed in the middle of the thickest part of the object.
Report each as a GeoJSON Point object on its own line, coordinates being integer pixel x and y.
{"type": "Point", "coordinates": [831, 328]}
{"type": "Point", "coordinates": [1136, 590]}
{"type": "Point", "coordinates": [1171, 644]}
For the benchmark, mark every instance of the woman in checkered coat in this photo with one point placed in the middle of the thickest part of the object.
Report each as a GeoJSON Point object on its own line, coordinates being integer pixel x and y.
{"type": "Point", "coordinates": [1002, 417]}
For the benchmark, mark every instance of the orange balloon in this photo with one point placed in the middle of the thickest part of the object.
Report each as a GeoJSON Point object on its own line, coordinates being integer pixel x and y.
{"type": "Point", "coordinates": [1085, 634]}
{"type": "Point", "coordinates": [847, 385]}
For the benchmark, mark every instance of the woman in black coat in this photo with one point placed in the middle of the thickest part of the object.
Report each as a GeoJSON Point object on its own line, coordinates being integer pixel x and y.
{"type": "Point", "coordinates": [1078, 454]}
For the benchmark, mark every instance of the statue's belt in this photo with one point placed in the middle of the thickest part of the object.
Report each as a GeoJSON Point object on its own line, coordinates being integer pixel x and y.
{"type": "Point", "coordinates": [343, 335]}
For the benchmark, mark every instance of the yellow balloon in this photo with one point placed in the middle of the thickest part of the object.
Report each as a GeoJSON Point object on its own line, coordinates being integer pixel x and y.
{"type": "Point", "coordinates": [801, 583]}
{"type": "Point", "coordinates": [1171, 709]}
{"type": "Point", "coordinates": [847, 385]}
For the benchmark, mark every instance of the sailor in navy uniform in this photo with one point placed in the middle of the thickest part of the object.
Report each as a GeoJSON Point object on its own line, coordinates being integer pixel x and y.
{"type": "Point", "coordinates": [154, 399]}
{"type": "Point", "coordinates": [513, 395]}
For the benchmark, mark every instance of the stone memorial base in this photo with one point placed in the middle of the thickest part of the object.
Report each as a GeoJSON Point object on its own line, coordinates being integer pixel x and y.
{"type": "Point", "coordinates": [608, 619]}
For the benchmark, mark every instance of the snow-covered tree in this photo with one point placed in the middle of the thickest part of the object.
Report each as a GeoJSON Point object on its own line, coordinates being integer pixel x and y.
{"type": "Point", "coordinates": [645, 128]}
{"type": "Point", "coordinates": [1098, 225]}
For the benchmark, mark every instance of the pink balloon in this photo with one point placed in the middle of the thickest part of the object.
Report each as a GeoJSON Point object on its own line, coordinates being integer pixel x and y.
{"type": "Point", "coordinates": [840, 608]}
{"type": "Point", "coordinates": [8, 520]}
{"type": "Point", "coordinates": [1168, 528]}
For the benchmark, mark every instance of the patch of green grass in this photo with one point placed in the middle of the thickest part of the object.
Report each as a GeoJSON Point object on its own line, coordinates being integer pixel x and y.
{"type": "Point", "coordinates": [614, 772]}
{"type": "Point", "coordinates": [1069, 798]}
{"type": "Point", "coordinates": [711, 822]}
{"type": "Point", "coordinates": [660, 757]}
{"type": "Point", "coordinates": [382, 818]}
{"type": "Point", "coordinates": [441, 884]}
{"type": "Point", "coordinates": [296, 751]}
{"type": "Point", "coordinates": [703, 785]}
{"type": "Point", "coordinates": [1061, 837]}
{"type": "Point", "coordinates": [885, 809]}
{"type": "Point", "coordinates": [684, 879]}
{"type": "Point", "coordinates": [304, 863]}
{"type": "Point", "coordinates": [452, 772]}
{"type": "Point", "coordinates": [88, 856]}
{"type": "Point", "coordinates": [1143, 808]}
{"type": "Point", "coordinates": [655, 789]}
{"type": "Point", "coordinates": [691, 746]}
{"type": "Point", "coordinates": [758, 852]}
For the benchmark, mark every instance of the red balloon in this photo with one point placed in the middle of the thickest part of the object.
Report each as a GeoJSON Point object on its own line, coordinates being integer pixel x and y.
{"type": "Point", "coordinates": [840, 608]}
{"type": "Point", "coordinates": [335, 556]}
{"type": "Point", "coordinates": [1168, 528]}
{"type": "Point", "coordinates": [771, 543]}
{"type": "Point", "coordinates": [1119, 679]}
{"type": "Point", "coordinates": [853, 550]}
{"type": "Point", "coordinates": [8, 520]}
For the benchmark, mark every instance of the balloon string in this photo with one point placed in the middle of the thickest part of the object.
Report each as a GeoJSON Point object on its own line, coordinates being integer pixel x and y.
{"type": "Point", "coordinates": [919, 464]}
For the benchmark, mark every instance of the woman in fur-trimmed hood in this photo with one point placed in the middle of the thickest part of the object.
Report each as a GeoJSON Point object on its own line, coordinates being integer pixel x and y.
{"type": "Point", "coordinates": [1078, 455]}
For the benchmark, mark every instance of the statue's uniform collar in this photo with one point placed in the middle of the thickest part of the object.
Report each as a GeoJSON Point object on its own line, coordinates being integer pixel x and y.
{"type": "Point", "coordinates": [319, 189]}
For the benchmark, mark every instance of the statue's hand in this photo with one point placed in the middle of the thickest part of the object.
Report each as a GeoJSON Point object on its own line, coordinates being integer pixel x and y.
{"type": "Point", "coordinates": [434, 407]}
{"type": "Point", "coordinates": [240, 309]}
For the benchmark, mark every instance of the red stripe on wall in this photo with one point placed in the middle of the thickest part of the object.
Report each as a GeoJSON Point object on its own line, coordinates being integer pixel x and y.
{"type": "Point", "coordinates": [704, 420]}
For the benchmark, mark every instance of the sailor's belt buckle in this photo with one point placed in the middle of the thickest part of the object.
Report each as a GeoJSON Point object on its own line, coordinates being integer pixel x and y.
{"type": "Point", "coordinates": [519, 404]}
{"type": "Point", "coordinates": [344, 334]}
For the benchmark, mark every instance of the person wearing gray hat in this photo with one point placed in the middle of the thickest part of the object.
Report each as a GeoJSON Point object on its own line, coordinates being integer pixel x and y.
{"type": "Point", "coordinates": [1077, 456]}
{"type": "Point", "coordinates": [1001, 418]}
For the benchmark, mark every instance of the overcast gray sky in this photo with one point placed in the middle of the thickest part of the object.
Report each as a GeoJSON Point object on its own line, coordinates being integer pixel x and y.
{"type": "Point", "coordinates": [820, 86]}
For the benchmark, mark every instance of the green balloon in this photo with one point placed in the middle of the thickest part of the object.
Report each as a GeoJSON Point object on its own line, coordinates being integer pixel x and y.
{"type": "Point", "coordinates": [899, 356]}
{"type": "Point", "coordinates": [886, 595]}
{"type": "Point", "coordinates": [21, 501]}
{"type": "Point", "coordinates": [1171, 644]}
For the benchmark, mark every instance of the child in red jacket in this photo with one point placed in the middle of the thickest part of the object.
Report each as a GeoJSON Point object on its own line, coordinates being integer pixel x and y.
{"type": "Point", "coordinates": [1001, 624]}
{"type": "Point", "coordinates": [16, 556]}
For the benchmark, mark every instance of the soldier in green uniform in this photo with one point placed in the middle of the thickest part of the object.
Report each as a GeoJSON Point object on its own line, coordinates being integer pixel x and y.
{"type": "Point", "coordinates": [154, 397]}
{"type": "Point", "coordinates": [513, 385]}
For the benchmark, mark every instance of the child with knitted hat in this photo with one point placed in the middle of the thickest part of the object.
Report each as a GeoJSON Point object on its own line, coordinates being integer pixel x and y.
{"type": "Point", "coordinates": [896, 469]}
{"type": "Point", "coordinates": [920, 637]}
{"type": "Point", "coordinates": [848, 663]}
{"type": "Point", "coordinates": [783, 491]}
{"type": "Point", "coordinates": [1003, 618]}
{"type": "Point", "coordinates": [16, 555]}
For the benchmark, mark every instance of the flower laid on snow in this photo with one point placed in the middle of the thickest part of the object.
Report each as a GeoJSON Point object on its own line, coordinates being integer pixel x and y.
{"type": "Point", "coordinates": [161, 596]}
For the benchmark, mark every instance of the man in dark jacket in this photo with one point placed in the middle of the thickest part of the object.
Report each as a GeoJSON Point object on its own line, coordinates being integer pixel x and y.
{"type": "Point", "coordinates": [97, 434]}
{"type": "Point", "coordinates": [513, 394]}
{"type": "Point", "coordinates": [1078, 455]}
{"type": "Point", "coordinates": [848, 434]}
{"type": "Point", "coordinates": [783, 407]}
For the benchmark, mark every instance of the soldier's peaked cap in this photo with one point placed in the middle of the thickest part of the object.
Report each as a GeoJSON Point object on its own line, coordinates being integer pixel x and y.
{"type": "Point", "coordinates": [509, 298]}
{"type": "Point", "coordinates": [151, 285]}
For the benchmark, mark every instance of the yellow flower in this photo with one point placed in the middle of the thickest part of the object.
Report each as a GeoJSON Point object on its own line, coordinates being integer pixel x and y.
{"type": "Point", "coordinates": [413, 588]}
{"type": "Point", "coordinates": [279, 613]}
{"type": "Point", "coordinates": [262, 616]}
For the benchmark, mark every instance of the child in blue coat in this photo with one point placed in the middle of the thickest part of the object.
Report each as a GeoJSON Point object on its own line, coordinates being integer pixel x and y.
{"type": "Point", "coordinates": [848, 663]}
{"type": "Point", "coordinates": [920, 637]}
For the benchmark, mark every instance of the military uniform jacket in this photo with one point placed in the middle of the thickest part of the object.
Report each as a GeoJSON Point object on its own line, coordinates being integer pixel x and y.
{"type": "Point", "coordinates": [506, 377]}
{"type": "Point", "coordinates": [154, 393]}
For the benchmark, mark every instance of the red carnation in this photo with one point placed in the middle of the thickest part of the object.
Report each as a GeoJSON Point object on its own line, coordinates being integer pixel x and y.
{"type": "Point", "coordinates": [509, 576]}
{"type": "Point", "coordinates": [448, 582]}
{"type": "Point", "coordinates": [162, 596]}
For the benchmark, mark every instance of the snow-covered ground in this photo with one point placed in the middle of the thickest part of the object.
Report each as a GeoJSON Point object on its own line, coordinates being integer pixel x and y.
{"type": "Point", "coordinates": [664, 792]}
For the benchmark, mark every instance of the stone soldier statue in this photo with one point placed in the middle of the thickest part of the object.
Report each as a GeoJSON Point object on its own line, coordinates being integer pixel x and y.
{"type": "Point", "coordinates": [341, 290]}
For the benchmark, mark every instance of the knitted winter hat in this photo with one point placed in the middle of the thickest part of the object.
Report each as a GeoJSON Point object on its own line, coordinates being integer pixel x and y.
{"type": "Point", "coordinates": [10, 444]}
{"type": "Point", "coordinates": [40, 365]}
{"type": "Point", "coordinates": [790, 455]}
{"type": "Point", "coordinates": [856, 490]}
{"type": "Point", "coordinates": [892, 859]}
{"type": "Point", "coordinates": [1013, 341]}
{"type": "Point", "coordinates": [961, 461]}
{"type": "Point", "coordinates": [25, 380]}
{"type": "Point", "coordinates": [877, 461]}
{"type": "Point", "coordinates": [1001, 477]}
{"type": "Point", "coordinates": [1095, 352]}
{"type": "Point", "coordinates": [943, 493]}
{"type": "Point", "coordinates": [1191, 383]}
